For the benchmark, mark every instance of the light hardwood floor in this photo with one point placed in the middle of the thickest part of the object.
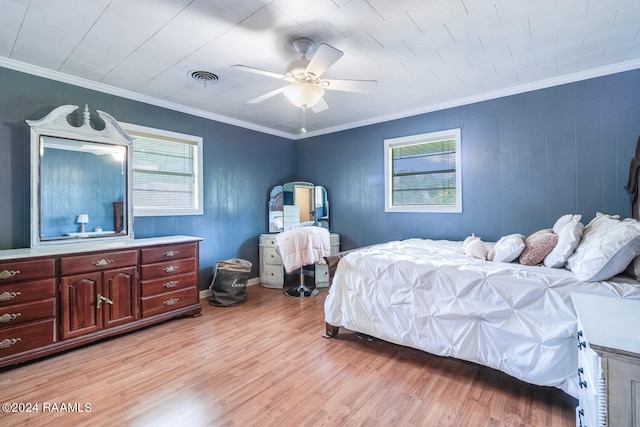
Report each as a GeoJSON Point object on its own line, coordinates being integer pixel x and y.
{"type": "Point", "coordinates": [265, 363]}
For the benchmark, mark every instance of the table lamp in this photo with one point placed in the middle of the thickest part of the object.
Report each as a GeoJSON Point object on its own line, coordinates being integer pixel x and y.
{"type": "Point", "coordinates": [82, 220]}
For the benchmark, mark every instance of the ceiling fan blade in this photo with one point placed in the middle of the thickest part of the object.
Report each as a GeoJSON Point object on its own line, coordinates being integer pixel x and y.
{"type": "Point", "coordinates": [362, 86]}
{"type": "Point", "coordinates": [265, 96]}
{"type": "Point", "coordinates": [321, 105]}
{"type": "Point", "coordinates": [259, 71]}
{"type": "Point", "coordinates": [324, 58]}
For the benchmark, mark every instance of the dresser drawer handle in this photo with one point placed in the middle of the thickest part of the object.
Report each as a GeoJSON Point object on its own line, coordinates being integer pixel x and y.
{"type": "Point", "coordinates": [6, 318]}
{"type": "Point", "coordinates": [100, 299]}
{"type": "Point", "coordinates": [171, 284]}
{"type": "Point", "coordinates": [171, 269]}
{"type": "Point", "coordinates": [9, 342]}
{"type": "Point", "coordinates": [102, 262]}
{"type": "Point", "coordinates": [8, 296]}
{"type": "Point", "coordinates": [5, 274]}
{"type": "Point", "coordinates": [171, 301]}
{"type": "Point", "coordinates": [170, 253]}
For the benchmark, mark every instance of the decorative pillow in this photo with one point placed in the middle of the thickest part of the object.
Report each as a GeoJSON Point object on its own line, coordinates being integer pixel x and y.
{"type": "Point", "coordinates": [608, 246]}
{"type": "Point", "coordinates": [568, 239]}
{"type": "Point", "coordinates": [564, 220]}
{"type": "Point", "coordinates": [507, 249]}
{"type": "Point", "coordinates": [537, 246]}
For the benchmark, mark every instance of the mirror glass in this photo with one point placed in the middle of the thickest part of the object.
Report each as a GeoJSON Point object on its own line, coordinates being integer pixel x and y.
{"type": "Point", "coordinates": [296, 203]}
{"type": "Point", "coordinates": [80, 178]}
{"type": "Point", "coordinates": [83, 189]}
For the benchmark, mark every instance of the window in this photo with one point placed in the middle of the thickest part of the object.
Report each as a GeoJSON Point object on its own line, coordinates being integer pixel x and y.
{"type": "Point", "coordinates": [167, 172]}
{"type": "Point", "coordinates": [422, 173]}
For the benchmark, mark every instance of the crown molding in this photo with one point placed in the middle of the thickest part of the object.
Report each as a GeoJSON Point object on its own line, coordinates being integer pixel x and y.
{"type": "Point", "coordinates": [135, 96]}
{"type": "Point", "coordinates": [514, 90]}
{"type": "Point", "coordinates": [486, 96]}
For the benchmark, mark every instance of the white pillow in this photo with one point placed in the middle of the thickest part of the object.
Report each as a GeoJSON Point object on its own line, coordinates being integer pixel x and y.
{"type": "Point", "coordinates": [569, 237]}
{"type": "Point", "coordinates": [507, 249]}
{"type": "Point", "coordinates": [608, 246]}
{"type": "Point", "coordinates": [564, 220]}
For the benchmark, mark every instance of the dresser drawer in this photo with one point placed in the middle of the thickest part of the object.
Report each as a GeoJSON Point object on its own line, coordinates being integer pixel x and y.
{"type": "Point", "coordinates": [26, 337]}
{"type": "Point", "coordinates": [272, 275]}
{"type": "Point", "coordinates": [168, 284]}
{"type": "Point", "coordinates": [322, 275]}
{"type": "Point", "coordinates": [270, 256]}
{"type": "Point", "coordinates": [97, 262]}
{"type": "Point", "coordinates": [18, 293]}
{"type": "Point", "coordinates": [167, 253]}
{"type": "Point", "coordinates": [169, 301]}
{"type": "Point", "coordinates": [165, 269]}
{"type": "Point", "coordinates": [11, 272]}
{"type": "Point", "coordinates": [20, 313]}
{"type": "Point", "coordinates": [267, 240]}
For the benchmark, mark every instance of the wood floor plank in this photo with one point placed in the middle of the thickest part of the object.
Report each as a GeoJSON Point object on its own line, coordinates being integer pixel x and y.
{"type": "Point", "coordinates": [264, 363]}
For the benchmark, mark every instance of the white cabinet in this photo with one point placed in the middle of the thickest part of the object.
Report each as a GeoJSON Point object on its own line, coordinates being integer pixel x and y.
{"type": "Point", "coordinates": [609, 361]}
{"type": "Point", "coordinates": [272, 271]}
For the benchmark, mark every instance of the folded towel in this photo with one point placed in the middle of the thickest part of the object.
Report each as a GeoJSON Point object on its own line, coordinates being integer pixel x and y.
{"type": "Point", "coordinates": [303, 246]}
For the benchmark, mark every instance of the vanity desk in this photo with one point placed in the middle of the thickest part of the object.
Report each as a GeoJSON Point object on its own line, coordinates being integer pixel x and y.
{"type": "Point", "coordinates": [59, 297]}
{"type": "Point", "coordinates": [272, 271]}
{"type": "Point", "coordinates": [292, 205]}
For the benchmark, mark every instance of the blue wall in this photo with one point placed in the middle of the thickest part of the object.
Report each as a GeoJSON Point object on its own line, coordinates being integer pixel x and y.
{"type": "Point", "coordinates": [526, 160]}
{"type": "Point", "coordinates": [240, 168]}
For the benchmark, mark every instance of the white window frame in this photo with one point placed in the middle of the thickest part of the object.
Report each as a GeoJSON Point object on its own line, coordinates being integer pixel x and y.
{"type": "Point", "coordinates": [390, 144]}
{"type": "Point", "coordinates": [196, 141]}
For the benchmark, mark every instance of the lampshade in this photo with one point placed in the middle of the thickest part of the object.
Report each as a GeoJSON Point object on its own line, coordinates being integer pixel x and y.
{"type": "Point", "coordinates": [83, 219]}
{"type": "Point", "coordinates": [303, 95]}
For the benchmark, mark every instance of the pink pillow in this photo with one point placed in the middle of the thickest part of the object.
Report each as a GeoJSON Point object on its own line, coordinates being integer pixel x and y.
{"type": "Point", "coordinates": [537, 246]}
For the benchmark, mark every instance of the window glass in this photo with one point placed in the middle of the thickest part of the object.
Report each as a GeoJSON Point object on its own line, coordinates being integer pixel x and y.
{"type": "Point", "coordinates": [167, 172]}
{"type": "Point", "coordinates": [422, 173]}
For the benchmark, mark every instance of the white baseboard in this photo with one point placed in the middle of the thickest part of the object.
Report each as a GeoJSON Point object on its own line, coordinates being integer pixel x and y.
{"type": "Point", "coordinates": [206, 293]}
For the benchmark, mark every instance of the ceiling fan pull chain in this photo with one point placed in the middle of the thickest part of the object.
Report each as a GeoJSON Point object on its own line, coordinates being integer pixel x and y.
{"type": "Point", "coordinates": [303, 129]}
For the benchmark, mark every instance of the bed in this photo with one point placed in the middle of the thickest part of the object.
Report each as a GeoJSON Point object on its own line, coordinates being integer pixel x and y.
{"type": "Point", "coordinates": [519, 319]}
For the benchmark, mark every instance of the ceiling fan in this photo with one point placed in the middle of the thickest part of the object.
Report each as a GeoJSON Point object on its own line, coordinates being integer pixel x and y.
{"type": "Point", "coordinates": [307, 86]}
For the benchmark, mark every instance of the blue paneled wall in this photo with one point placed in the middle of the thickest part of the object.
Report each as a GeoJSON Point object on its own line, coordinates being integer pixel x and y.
{"type": "Point", "coordinates": [240, 168]}
{"type": "Point", "coordinates": [526, 159]}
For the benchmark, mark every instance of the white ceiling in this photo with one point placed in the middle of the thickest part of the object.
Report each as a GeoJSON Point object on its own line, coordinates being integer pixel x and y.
{"type": "Point", "coordinates": [425, 54]}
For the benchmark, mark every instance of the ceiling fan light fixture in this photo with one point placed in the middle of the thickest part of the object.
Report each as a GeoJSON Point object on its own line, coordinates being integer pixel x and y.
{"type": "Point", "coordinates": [303, 95]}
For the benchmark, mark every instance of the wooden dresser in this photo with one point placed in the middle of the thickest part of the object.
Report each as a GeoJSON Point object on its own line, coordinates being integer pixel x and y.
{"type": "Point", "coordinates": [609, 361]}
{"type": "Point", "coordinates": [56, 298]}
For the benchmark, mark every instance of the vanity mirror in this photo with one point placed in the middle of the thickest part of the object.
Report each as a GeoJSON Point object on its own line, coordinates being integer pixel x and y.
{"type": "Point", "coordinates": [80, 178]}
{"type": "Point", "coordinates": [296, 203]}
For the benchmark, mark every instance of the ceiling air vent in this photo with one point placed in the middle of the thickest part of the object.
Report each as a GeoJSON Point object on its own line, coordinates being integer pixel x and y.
{"type": "Point", "coordinates": [203, 76]}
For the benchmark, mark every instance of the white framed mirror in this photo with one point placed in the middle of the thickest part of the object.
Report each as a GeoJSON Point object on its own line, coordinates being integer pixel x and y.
{"type": "Point", "coordinates": [296, 203]}
{"type": "Point", "coordinates": [80, 178]}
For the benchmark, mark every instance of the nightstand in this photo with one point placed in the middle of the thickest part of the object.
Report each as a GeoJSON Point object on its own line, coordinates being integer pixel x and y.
{"type": "Point", "coordinates": [609, 360]}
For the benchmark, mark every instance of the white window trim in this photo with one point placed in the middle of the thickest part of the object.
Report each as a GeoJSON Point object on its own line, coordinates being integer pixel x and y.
{"type": "Point", "coordinates": [389, 144]}
{"type": "Point", "coordinates": [194, 140]}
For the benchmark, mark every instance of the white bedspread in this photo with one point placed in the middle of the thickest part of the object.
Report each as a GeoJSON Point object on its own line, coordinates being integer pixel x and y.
{"type": "Point", "coordinates": [303, 246]}
{"type": "Point", "coordinates": [425, 294]}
